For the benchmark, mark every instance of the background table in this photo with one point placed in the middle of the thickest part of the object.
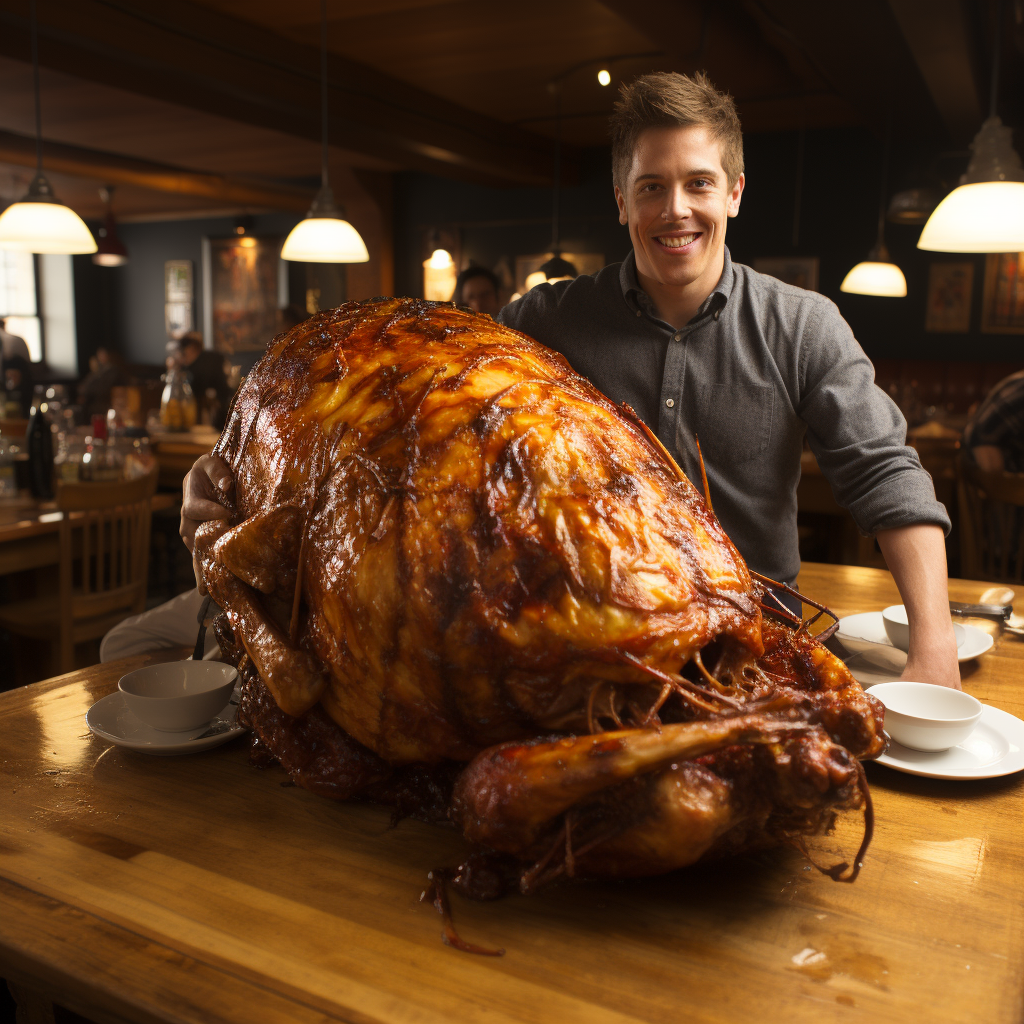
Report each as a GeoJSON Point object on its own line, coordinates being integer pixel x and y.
{"type": "Point", "coordinates": [201, 889]}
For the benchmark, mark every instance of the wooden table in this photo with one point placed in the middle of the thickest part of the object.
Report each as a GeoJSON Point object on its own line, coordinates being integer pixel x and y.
{"type": "Point", "coordinates": [29, 528]}
{"type": "Point", "coordinates": [177, 452]}
{"type": "Point", "coordinates": [200, 889]}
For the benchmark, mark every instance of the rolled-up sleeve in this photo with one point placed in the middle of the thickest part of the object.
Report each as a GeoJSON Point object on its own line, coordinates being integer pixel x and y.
{"type": "Point", "coordinates": [857, 433]}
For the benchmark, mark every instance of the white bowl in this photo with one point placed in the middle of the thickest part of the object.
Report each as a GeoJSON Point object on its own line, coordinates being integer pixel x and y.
{"type": "Point", "coordinates": [923, 716]}
{"type": "Point", "coordinates": [897, 628]}
{"type": "Point", "coordinates": [178, 695]}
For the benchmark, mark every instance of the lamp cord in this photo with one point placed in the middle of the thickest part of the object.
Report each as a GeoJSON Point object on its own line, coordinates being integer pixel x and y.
{"type": "Point", "coordinates": [323, 92]}
{"type": "Point", "coordinates": [35, 87]}
{"type": "Point", "coordinates": [996, 41]}
{"type": "Point", "coordinates": [885, 177]}
{"type": "Point", "coordinates": [556, 241]}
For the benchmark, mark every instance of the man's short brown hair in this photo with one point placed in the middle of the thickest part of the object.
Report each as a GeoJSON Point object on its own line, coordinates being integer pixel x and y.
{"type": "Point", "coordinates": [670, 100]}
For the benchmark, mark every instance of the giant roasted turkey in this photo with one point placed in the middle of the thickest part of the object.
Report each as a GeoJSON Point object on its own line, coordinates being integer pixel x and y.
{"type": "Point", "coordinates": [460, 579]}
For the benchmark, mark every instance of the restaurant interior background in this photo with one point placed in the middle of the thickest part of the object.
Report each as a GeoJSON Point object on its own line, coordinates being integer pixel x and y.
{"type": "Point", "coordinates": [447, 119]}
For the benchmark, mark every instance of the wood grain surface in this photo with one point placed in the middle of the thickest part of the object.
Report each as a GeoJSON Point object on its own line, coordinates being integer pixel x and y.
{"type": "Point", "coordinates": [200, 889]}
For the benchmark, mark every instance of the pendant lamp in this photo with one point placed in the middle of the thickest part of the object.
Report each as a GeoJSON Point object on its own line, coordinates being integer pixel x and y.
{"type": "Point", "coordinates": [112, 251]}
{"type": "Point", "coordinates": [985, 212]}
{"type": "Point", "coordinates": [38, 223]}
{"type": "Point", "coordinates": [439, 276]}
{"type": "Point", "coordinates": [877, 275]}
{"type": "Point", "coordinates": [324, 236]}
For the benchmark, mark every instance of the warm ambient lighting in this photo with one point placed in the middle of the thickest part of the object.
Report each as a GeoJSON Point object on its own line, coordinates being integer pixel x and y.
{"type": "Point", "coordinates": [985, 213]}
{"type": "Point", "coordinates": [112, 252]}
{"type": "Point", "coordinates": [984, 216]}
{"type": "Point", "coordinates": [604, 77]}
{"type": "Point", "coordinates": [871, 278]}
{"type": "Point", "coordinates": [439, 276]}
{"type": "Point", "coordinates": [39, 224]}
{"type": "Point", "coordinates": [323, 238]}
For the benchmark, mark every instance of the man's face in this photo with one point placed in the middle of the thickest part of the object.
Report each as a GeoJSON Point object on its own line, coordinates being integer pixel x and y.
{"type": "Point", "coordinates": [190, 353]}
{"type": "Point", "coordinates": [478, 293]}
{"type": "Point", "coordinates": [676, 201]}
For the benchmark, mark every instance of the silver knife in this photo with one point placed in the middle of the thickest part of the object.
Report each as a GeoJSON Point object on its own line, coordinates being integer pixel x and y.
{"type": "Point", "coordinates": [999, 612]}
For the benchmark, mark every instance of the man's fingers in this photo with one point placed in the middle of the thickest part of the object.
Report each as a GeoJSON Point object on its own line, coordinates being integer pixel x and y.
{"type": "Point", "coordinates": [202, 510]}
{"type": "Point", "coordinates": [208, 485]}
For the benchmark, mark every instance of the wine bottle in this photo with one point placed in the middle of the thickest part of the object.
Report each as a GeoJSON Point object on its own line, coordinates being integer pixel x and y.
{"type": "Point", "coordinates": [39, 444]}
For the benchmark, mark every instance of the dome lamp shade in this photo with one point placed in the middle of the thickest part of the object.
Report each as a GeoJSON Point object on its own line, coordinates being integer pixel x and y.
{"type": "Point", "coordinates": [38, 223]}
{"type": "Point", "coordinates": [111, 251]}
{"type": "Point", "coordinates": [324, 236]}
{"type": "Point", "coordinates": [877, 275]}
{"type": "Point", "coordinates": [985, 212]}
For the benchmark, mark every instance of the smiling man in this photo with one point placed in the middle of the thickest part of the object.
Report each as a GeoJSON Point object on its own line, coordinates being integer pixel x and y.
{"type": "Point", "coordinates": [703, 347]}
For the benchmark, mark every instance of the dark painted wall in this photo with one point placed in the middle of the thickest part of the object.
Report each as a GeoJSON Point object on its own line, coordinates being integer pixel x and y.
{"type": "Point", "coordinates": [123, 307]}
{"type": "Point", "coordinates": [839, 189]}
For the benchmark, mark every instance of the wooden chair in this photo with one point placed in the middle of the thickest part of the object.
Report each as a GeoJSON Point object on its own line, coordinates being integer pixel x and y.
{"type": "Point", "coordinates": [991, 524]}
{"type": "Point", "coordinates": [104, 566]}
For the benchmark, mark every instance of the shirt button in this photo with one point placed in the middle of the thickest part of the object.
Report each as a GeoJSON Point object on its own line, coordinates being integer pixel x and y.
{"type": "Point", "coordinates": [670, 402]}
{"type": "Point", "coordinates": [638, 313]}
{"type": "Point", "coordinates": [677, 335]}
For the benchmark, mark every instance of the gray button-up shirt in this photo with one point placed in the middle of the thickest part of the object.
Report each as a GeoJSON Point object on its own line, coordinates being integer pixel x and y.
{"type": "Point", "coordinates": [761, 364]}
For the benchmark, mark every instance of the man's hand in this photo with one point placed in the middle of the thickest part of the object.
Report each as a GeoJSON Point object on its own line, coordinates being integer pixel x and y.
{"type": "Point", "coordinates": [916, 556]}
{"type": "Point", "coordinates": [207, 487]}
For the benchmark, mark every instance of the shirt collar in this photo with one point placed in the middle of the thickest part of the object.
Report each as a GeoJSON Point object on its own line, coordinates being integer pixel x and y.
{"type": "Point", "coordinates": [638, 299]}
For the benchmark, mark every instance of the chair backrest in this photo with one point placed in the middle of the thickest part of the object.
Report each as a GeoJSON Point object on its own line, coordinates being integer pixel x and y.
{"type": "Point", "coordinates": [104, 556]}
{"type": "Point", "coordinates": [991, 524]}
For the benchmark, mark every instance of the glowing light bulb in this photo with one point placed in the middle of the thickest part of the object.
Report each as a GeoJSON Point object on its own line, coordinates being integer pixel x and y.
{"type": "Point", "coordinates": [604, 77]}
{"type": "Point", "coordinates": [439, 276]}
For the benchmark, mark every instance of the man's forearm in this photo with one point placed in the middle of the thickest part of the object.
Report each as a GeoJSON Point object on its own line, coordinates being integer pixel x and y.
{"type": "Point", "coordinates": [916, 557]}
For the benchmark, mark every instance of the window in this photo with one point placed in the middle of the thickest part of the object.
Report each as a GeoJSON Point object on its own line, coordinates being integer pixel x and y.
{"type": "Point", "coordinates": [18, 299]}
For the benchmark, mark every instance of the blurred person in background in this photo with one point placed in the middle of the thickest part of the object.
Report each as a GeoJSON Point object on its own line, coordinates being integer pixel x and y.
{"type": "Point", "coordinates": [12, 345]}
{"type": "Point", "coordinates": [994, 436]}
{"type": "Point", "coordinates": [477, 288]}
{"type": "Point", "coordinates": [205, 371]}
{"type": "Point", "coordinates": [16, 382]}
{"type": "Point", "coordinates": [94, 388]}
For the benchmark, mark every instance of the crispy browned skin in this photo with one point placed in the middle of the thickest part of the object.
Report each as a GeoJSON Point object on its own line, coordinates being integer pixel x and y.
{"type": "Point", "coordinates": [455, 547]}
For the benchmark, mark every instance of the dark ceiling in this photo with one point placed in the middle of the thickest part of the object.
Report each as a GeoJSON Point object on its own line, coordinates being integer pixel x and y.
{"type": "Point", "coordinates": [216, 103]}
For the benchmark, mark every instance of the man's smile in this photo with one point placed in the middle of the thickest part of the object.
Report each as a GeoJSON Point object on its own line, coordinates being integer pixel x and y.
{"type": "Point", "coordinates": [678, 242]}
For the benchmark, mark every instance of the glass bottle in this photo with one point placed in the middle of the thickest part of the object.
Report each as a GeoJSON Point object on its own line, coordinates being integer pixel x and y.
{"type": "Point", "coordinates": [177, 404]}
{"type": "Point", "coordinates": [8, 483]}
{"type": "Point", "coordinates": [39, 445]}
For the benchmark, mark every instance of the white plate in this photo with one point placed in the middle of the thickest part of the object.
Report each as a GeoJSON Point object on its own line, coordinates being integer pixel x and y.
{"type": "Point", "coordinates": [865, 635]}
{"type": "Point", "coordinates": [110, 719]}
{"type": "Point", "coordinates": [996, 747]}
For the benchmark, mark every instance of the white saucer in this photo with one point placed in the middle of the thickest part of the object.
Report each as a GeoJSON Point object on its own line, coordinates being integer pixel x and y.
{"type": "Point", "coordinates": [996, 747]}
{"type": "Point", "coordinates": [865, 635]}
{"type": "Point", "coordinates": [110, 719]}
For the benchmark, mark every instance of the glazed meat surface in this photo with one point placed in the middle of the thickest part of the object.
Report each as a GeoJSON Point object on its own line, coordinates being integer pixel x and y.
{"type": "Point", "coordinates": [448, 549]}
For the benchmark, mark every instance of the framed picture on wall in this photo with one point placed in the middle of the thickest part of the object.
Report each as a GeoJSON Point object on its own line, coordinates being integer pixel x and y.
{"type": "Point", "coordinates": [178, 297]}
{"type": "Point", "coordinates": [1002, 308]}
{"type": "Point", "coordinates": [245, 283]}
{"type": "Point", "coordinates": [799, 270]}
{"type": "Point", "coordinates": [949, 297]}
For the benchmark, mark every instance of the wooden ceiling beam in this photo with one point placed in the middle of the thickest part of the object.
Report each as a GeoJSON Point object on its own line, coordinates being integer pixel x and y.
{"type": "Point", "coordinates": [112, 169]}
{"type": "Point", "coordinates": [938, 36]}
{"type": "Point", "coordinates": [196, 57]}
